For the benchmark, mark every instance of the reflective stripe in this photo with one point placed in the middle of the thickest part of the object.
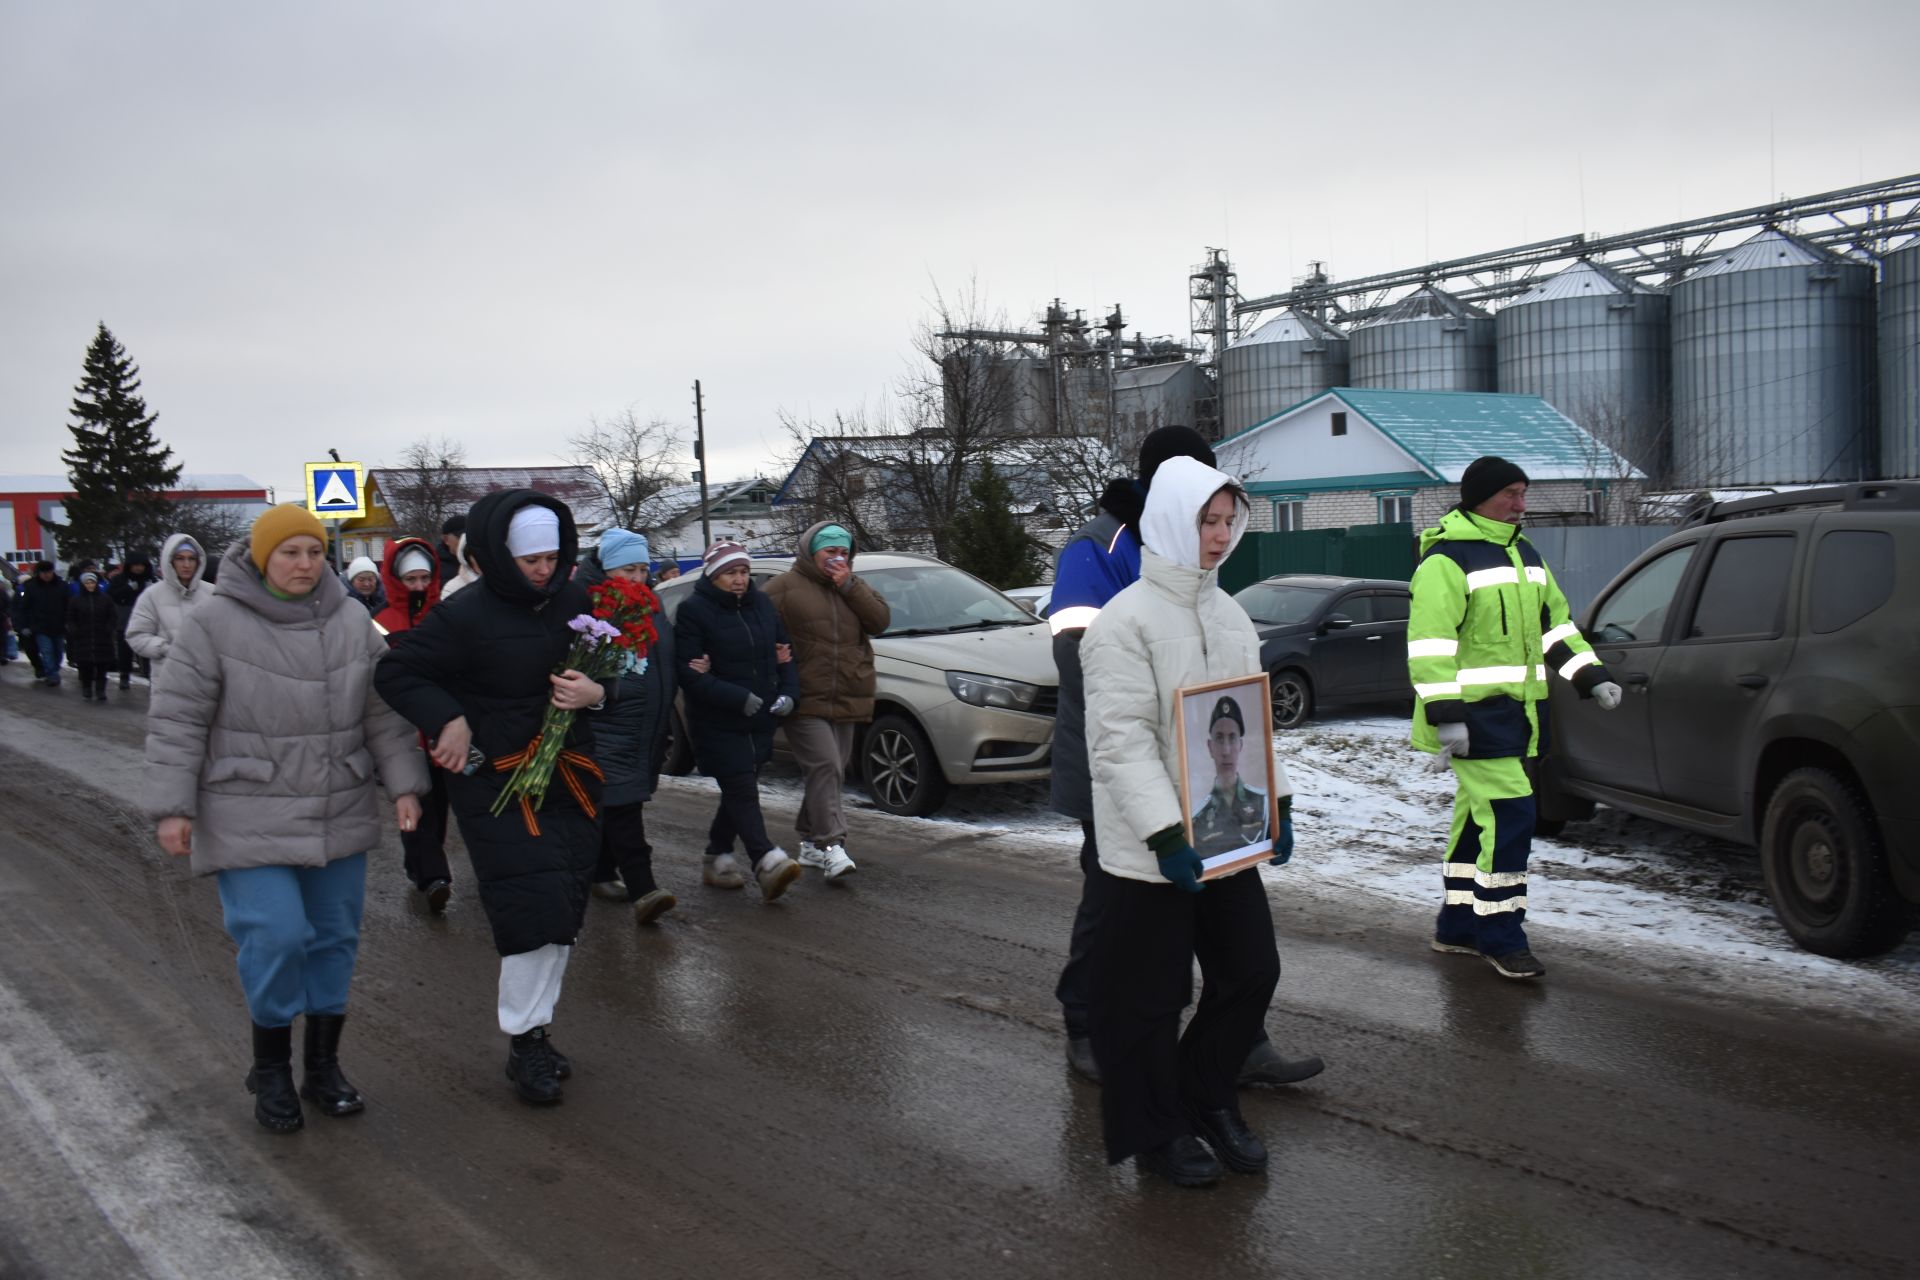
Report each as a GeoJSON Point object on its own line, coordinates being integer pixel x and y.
{"type": "Point", "coordinates": [1536, 573]}
{"type": "Point", "coordinates": [1540, 672]}
{"type": "Point", "coordinates": [1492, 577]}
{"type": "Point", "coordinates": [1574, 663]}
{"type": "Point", "coordinates": [1495, 675]}
{"type": "Point", "coordinates": [1499, 879]}
{"type": "Point", "coordinates": [1432, 648]}
{"type": "Point", "coordinates": [1565, 631]}
{"type": "Point", "coordinates": [1077, 618]}
{"type": "Point", "coordinates": [1495, 908]}
{"type": "Point", "coordinates": [1444, 689]}
{"type": "Point", "coordinates": [1460, 897]}
{"type": "Point", "coordinates": [1459, 870]}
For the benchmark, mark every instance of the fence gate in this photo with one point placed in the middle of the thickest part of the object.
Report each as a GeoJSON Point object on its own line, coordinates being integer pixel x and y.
{"type": "Point", "coordinates": [1363, 551]}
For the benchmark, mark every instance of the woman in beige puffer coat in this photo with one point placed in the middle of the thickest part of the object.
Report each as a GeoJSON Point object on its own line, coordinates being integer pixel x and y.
{"type": "Point", "coordinates": [263, 738]}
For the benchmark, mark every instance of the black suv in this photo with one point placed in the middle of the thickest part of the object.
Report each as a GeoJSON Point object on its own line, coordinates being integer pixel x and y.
{"type": "Point", "coordinates": [1768, 653]}
{"type": "Point", "coordinates": [1326, 639]}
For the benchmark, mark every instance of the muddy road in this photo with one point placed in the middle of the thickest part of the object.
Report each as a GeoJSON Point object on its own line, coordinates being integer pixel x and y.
{"type": "Point", "coordinates": [865, 1079]}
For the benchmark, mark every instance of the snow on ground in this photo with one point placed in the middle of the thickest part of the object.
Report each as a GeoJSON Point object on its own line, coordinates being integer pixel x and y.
{"type": "Point", "coordinates": [1372, 818]}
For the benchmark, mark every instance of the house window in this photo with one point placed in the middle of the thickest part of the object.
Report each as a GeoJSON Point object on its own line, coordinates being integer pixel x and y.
{"type": "Point", "coordinates": [1396, 508]}
{"type": "Point", "coordinates": [1597, 503]}
{"type": "Point", "coordinates": [1339, 423]}
{"type": "Point", "coordinates": [1289, 514]}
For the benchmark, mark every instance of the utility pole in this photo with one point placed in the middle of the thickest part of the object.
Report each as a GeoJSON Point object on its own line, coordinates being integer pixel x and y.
{"type": "Point", "coordinates": [700, 455]}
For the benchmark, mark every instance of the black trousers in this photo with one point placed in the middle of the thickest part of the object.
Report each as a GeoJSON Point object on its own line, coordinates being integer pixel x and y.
{"type": "Point", "coordinates": [1071, 990]}
{"type": "Point", "coordinates": [1146, 938]}
{"type": "Point", "coordinates": [624, 848]}
{"type": "Point", "coordinates": [739, 817]}
{"type": "Point", "coordinates": [93, 674]}
{"type": "Point", "coordinates": [424, 849]}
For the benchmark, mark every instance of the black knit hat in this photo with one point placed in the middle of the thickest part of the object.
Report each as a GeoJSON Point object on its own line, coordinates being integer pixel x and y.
{"type": "Point", "coordinates": [1171, 442]}
{"type": "Point", "coordinates": [1485, 477]}
{"type": "Point", "coordinates": [454, 524]}
{"type": "Point", "coordinates": [1227, 709]}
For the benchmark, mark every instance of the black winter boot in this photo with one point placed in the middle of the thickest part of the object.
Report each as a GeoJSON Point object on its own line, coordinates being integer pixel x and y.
{"type": "Point", "coordinates": [276, 1104]}
{"type": "Point", "coordinates": [100, 689]}
{"type": "Point", "coordinates": [331, 1091]}
{"type": "Point", "coordinates": [531, 1067]}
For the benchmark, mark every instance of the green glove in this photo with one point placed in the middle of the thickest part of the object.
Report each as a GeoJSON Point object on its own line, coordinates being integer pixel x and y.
{"type": "Point", "coordinates": [1178, 861]}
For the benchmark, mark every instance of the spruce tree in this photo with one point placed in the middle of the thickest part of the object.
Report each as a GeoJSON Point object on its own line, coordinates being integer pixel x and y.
{"type": "Point", "coordinates": [987, 539]}
{"type": "Point", "coordinates": [118, 469]}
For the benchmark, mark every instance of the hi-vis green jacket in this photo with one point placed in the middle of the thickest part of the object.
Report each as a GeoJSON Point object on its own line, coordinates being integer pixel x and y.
{"type": "Point", "coordinates": [1488, 621]}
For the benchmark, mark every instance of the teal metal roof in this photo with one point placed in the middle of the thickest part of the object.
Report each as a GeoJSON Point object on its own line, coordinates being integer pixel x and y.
{"type": "Point", "coordinates": [1446, 430]}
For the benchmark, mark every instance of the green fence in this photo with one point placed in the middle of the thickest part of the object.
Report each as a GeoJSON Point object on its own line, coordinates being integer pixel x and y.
{"type": "Point", "coordinates": [1363, 551]}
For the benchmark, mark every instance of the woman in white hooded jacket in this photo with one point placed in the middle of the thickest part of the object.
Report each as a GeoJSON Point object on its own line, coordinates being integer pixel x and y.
{"type": "Point", "coordinates": [1163, 1091]}
{"type": "Point", "coordinates": [162, 609]}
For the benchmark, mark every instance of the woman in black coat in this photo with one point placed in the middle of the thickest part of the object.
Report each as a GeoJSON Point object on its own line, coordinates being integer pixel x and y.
{"type": "Point", "coordinates": [476, 676]}
{"type": "Point", "coordinates": [738, 677]}
{"type": "Point", "coordinates": [93, 630]}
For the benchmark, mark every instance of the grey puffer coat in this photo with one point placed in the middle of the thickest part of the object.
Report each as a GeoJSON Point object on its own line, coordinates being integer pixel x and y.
{"type": "Point", "coordinates": [265, 729]}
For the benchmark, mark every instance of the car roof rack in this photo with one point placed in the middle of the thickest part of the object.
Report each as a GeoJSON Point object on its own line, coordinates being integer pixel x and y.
{"type": "Point", "coordinates": [1869, 495]}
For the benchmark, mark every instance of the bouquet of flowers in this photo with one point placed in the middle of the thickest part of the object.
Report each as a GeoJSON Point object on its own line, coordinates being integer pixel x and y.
{"type": "Point", "coordinates": [612, 639]}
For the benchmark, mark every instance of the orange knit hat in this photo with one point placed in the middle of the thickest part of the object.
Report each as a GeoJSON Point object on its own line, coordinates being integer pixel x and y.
{"type": "Point", "coordinates": [276, 525]}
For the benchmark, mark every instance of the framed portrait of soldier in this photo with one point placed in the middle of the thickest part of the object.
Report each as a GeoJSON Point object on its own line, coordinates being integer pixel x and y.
{"type": "Point", "coordinates": [1226, 780]}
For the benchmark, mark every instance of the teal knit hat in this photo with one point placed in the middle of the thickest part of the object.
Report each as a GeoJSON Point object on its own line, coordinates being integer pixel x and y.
{"type": "Point", "coordinates": [831, 536]}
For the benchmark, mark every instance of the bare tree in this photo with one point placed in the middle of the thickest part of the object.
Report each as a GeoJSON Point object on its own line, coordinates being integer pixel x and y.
{"type": "Point", "coordinates": [211, 523]}
{"type": "Point", "coordinates": [634, 461]}
{"type": "Point", "coordinates": [426, 486]}
{"type": "Point", "coordinates": [839, 474]}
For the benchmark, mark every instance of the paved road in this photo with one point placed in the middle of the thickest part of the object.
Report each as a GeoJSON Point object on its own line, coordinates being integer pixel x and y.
{"type": "Point", "coordinates": [865, 1080]}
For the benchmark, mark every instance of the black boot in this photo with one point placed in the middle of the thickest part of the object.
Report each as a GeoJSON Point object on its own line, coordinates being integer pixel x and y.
{"type": "Point", "coordinates": [86, 690]}
{"type": "Point", "coordinates": [531, 1067]}
{"type": "Point", "coordinates": [324, 1085]}
{"type": "Point", "coordinates": [100, 689]}
{"type": "Point", "coordinates": [1264, 1065]}
{"type": "Point", "coordinates": [276, 1104]}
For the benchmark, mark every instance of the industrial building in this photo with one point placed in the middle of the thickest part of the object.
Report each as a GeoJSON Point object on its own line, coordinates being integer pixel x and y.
{"type": "Point", "coordinates": [1767, 346]}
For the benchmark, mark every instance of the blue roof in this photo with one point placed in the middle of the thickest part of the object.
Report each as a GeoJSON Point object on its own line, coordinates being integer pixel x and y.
{"type": "Point", "coordinates": [1446, 430]}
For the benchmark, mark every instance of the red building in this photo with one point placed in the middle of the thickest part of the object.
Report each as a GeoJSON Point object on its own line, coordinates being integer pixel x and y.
{"type": "Point", "coordinates": [25, 500]}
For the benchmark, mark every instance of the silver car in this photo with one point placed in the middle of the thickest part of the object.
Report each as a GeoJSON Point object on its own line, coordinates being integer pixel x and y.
{"type": "Point", "coordinates": [966, 690]}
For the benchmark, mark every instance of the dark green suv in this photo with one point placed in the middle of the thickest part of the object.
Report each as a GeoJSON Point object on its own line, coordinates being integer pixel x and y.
{"type": "Point", "coordinates": [1770, 653]}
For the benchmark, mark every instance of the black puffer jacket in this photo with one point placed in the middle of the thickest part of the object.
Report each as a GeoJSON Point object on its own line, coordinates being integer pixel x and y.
{"type": "Point", "coordinates": [93, 627]}
{"type": "Point", "coordinates": [486, 654]}
{"type": "Point", "coordinates": [45, 606]}
{"type": "Point", "coordinates": [738, 633]}
{"type": "Point", "coordinates": [630, 736]}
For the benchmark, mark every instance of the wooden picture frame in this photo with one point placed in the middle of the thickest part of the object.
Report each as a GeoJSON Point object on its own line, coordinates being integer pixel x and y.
{"type": "Point", "coordinates": [1222, 828]}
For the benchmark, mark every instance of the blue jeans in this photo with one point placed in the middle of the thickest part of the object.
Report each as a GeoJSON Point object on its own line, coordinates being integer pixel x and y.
{"type": "Point", "coordinates": [53, 652]}
{"type": "Point", "coordinates": [298, 930]}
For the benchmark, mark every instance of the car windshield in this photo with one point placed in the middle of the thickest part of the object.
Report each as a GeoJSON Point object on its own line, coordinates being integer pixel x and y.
{"type": "Point", "coordinates": [935, 598]}
{"type": "Point", "coordinates": [1269, 603]}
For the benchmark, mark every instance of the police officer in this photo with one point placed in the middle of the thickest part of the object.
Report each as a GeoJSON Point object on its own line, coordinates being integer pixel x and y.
{"type": "Point", "coordinates": [1234, 815]}
{"type": "Point", "coordinates": [1488, 622]}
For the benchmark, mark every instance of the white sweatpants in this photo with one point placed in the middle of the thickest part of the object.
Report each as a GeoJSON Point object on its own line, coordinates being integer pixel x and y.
{"type": "Point", "coordinates": [530, 987]}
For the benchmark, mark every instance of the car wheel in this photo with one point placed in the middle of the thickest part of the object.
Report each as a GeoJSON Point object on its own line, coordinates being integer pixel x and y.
{"type": "Point", "coordinates": [1825, 868]}
{"type": "Point", "coordinates": [1292, 699]}
{"type": "Point", "coordinates": [900, 770]}
{"type": "Point", "coordinates": [679, 761]}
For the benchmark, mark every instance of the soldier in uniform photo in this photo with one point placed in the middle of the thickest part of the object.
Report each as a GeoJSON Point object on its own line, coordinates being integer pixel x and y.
{"type": "Point", "coordinates": [1234, 815]}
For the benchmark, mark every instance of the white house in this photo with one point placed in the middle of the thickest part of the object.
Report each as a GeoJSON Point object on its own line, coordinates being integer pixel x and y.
{"type": "Point", "coordinates": [1354, 456]}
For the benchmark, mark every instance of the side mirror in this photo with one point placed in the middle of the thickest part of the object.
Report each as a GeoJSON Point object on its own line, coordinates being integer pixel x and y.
{"type": "Point", "coordinates": [1335, 622]}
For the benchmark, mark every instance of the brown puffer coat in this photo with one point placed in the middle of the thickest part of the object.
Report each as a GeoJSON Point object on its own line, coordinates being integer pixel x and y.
{"type": "Point", "coordinates": [830, 628]}
{"type": "Point", "coordinates": [264, 727]}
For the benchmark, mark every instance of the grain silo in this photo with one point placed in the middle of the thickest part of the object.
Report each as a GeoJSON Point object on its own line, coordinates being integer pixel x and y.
{"type": "Point", "coordinates": [1773, 367]}
{"type": "Point", "coordinates": [1290, 358]}
{"type": "Point", "coordinates": [1427, 341]}
{"type": "Point", "coordinates": [1596, 346]}
{"type": "Point", "coordinates": [1900, 364]}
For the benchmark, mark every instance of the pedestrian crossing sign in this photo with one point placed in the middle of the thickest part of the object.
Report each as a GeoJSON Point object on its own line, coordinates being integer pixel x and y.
{"type": "Point", "coordinates": [336, 490]}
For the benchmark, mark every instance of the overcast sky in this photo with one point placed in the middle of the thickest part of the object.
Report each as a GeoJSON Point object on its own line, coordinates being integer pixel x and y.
{"type": "Point", "coordinates": [355, 224]}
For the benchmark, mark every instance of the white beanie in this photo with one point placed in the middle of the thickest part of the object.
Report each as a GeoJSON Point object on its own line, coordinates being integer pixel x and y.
{"type": "Point", "coordinates": [533, 530]}
{"type": "Point", "coordinates": [360, 565]}
{"type": "Point", "coordinates": [411, 559]}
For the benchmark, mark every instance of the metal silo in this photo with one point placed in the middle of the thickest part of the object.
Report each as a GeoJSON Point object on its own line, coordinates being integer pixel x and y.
{"type": "Point", "coordinates": [1773, 367]}
{"type": "Point", "coordinates": [1596, 346]}
{"type": "Point", "coordinates": [1427, 341]}
{"type": "Point", "coordinates": [1286, 360]}
{"type": "Point", "coordinates": [1900, 364]}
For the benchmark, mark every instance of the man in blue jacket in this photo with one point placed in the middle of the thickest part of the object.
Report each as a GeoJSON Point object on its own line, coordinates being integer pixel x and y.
{"type": "Point", "coordinates": [1098, 562]}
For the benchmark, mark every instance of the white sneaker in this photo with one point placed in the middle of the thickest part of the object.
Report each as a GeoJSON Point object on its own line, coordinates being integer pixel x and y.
{"type": "Point", "coordinates": [835, 861]}
{"type": "Point", "coordinates": [811, 855]}
{"type": "Point", "coordinates": [776, 873]}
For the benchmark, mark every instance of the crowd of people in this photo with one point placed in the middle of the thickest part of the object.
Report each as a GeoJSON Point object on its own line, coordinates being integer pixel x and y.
{"type": "Point", "coordinates": [285, 694]}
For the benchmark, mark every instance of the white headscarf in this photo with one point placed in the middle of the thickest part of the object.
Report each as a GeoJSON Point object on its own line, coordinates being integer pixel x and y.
{"type": "Point", "coordinates": [416, 558]}
{"type": "Point", "coordinates": [534, 529]}
{"type": "Point", "coordinates": [1178, 497]}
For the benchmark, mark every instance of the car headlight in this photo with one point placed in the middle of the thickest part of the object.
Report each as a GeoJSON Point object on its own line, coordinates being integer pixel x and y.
{"type": "Point", "coordinates": [992, 691]}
